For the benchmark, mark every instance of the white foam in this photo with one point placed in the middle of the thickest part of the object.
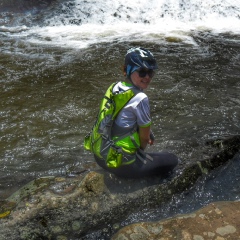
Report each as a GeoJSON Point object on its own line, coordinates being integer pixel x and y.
{"type": "Point", "coordinates": [147, 20]}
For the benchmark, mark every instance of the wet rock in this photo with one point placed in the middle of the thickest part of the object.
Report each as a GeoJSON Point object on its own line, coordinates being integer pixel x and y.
{"type": "Point", "coordinates": [93, 183]}
{"type": "Point", "coordinates": [220, 220]}
{"type": "Point", "coordinates": [59, 207]}
{"type": "Point", "coordinates": [15, 13]}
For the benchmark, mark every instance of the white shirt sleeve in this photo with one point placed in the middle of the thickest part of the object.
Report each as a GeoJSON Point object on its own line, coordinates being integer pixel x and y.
{"type": "Point", "coordinates": [143, 113]}
{"type": "Point", "coordinates": [136, 112]}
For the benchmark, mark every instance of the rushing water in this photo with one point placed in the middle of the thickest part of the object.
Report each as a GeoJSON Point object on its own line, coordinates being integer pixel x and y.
{"type": "Point", "coordinates": [56, 64]}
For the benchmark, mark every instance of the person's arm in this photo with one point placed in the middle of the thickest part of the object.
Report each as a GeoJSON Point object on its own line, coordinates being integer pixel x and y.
{"type": "Point", "coordinates": [144, 136]}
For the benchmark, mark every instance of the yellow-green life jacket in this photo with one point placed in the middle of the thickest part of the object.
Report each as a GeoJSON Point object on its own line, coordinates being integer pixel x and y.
{"type": "Point", "coordinates": [115, 151]}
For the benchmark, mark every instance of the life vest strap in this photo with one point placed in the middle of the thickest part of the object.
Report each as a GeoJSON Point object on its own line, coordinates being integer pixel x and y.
{"type": "Point", "coordinates": [130, 133]}
{"type": "Point", "coordinates": [147, 156]}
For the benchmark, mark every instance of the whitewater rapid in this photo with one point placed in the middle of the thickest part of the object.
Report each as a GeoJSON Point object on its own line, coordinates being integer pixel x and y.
{"type": "Point", "coordinates": [79, 24]}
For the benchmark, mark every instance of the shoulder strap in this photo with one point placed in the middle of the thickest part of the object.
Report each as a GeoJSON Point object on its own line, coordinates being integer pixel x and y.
{"type": "Point", "coordinates": [121, 99]}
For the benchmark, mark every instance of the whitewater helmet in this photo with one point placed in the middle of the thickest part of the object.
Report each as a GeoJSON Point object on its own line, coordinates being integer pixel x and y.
{"type": "Point", "coordinates": [138, 57]}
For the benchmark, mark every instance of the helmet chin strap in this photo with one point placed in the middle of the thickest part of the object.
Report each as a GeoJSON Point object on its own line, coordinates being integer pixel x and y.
{"type": "Point", "coordinates": [129, 71]}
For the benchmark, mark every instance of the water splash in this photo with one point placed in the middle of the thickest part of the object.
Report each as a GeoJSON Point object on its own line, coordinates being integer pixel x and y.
{"type": "Point", "coordinates": [159, 13]}
{"type": "Point", "coordinates": [78, 24]}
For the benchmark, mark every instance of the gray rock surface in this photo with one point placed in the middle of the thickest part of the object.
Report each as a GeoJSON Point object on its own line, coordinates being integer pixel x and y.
{"type": "Point", "coordinates": [63, 207]}
{"type": "Point", "coordinates": [219, 221]}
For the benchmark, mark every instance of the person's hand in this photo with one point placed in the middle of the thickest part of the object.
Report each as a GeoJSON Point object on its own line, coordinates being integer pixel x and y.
{"type": "Point", "coordinates": [150, 142]}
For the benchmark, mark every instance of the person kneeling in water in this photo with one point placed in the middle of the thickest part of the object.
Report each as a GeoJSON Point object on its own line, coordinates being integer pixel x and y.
{"type": "Point", "coordinates": [131, 128]}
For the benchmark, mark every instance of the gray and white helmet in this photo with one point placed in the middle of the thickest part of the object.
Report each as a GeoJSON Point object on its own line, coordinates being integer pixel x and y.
{"type": "Point", "coordinates": [138, 57]}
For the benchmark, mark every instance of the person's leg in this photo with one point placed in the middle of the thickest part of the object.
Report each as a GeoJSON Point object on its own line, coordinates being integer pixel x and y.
{"type": "Point", "coordinates": [162, 164]}
{"type": "Point", "coordinates": [125, 171]}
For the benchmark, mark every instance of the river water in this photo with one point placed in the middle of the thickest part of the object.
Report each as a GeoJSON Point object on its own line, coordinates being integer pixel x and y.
{"type": "Point", "coordinates": [59, 57]}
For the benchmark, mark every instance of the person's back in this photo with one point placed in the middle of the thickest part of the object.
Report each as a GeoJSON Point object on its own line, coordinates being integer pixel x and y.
{"type": "Point", "coordinates": [131, 129]}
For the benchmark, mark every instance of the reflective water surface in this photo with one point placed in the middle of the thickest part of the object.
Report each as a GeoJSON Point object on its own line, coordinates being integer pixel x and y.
{"type": "Point", "coordinates": [49, 98]}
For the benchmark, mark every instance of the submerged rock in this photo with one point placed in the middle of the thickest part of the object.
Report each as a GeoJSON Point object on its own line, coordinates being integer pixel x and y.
{"type": "Point", "coordinates": [69, 208]}
{"type": "Point", "coordinates": [220, 220]}
{"type": "Point", "coordinates": [24, 5]}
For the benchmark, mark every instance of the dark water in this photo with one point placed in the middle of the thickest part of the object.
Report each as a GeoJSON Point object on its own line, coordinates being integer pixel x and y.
{"type": "Point", "coordinates": [49, 96]}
